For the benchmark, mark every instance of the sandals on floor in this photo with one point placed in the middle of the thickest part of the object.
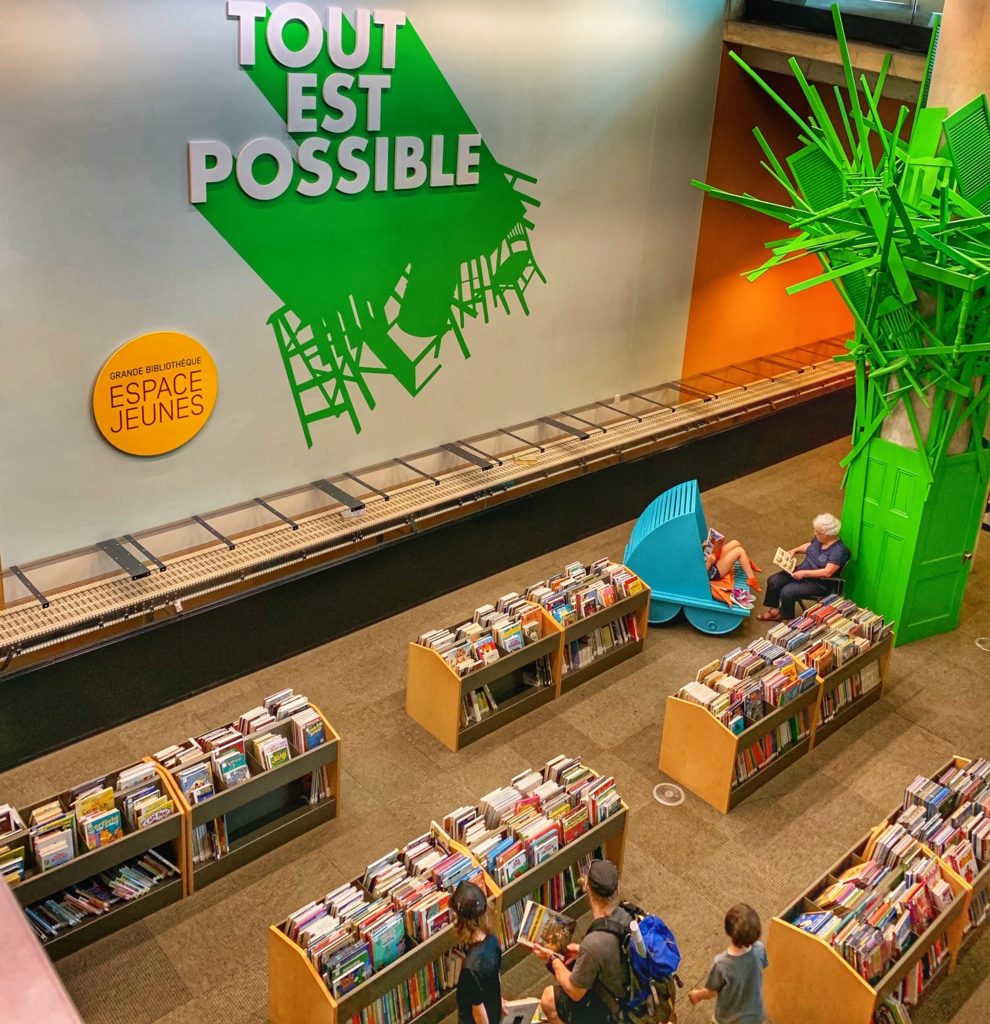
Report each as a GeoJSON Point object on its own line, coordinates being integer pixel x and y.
{"type": "Point", "coordinates": [768, 617]}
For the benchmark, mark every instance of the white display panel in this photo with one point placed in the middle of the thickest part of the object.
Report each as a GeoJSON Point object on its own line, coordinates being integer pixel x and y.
{"type": "Point", "coordinates": [608, 106]}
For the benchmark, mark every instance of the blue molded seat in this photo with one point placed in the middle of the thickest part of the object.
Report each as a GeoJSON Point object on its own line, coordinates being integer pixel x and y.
{"type": "Point", "coordinates": [664, 550]}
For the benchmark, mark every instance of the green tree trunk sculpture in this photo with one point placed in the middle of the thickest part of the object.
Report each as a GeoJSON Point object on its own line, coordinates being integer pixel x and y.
{"type": "Point", "coordinates": [901, 226]}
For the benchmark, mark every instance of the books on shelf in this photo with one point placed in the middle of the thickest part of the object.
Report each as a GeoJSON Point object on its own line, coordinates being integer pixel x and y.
{"type": "Point", "coordinates": [831, 633]}
{"type": "Point", "coordinates": [98, 895]}
{"type": "Point", "coordinates": [402, 900]}
{"type": "Point", "coordinates": [270, 750]}
{"type": "Point", "coordinates": [515, 621]}
{"type": "Point", "coordinates": [748, 683]}
{"type": "Point", "coordinates": [875, 911]}
{"type": "Point", "coordinates": [493, 632]}
{"type": "Point", "coordinates": [52, 832]}
{"type": "Point", "coordinates": [90, 816]}
{"type": "Point", "coordinates": [586, 649]}
{"type": "Point", "coordinates": [263, 738]}
{"type": "Point", "coordinates": [950, 815]}
{"type": "Point", "coordinates": [13, 842]}
{"type": "Point", "coordinates": [308, 731]}
{"type": "Point", "coordinates": [581, 591]}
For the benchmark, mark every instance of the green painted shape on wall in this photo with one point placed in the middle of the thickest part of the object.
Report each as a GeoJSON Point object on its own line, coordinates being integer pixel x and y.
{"type": "Point", "coordinates": [375, 282]}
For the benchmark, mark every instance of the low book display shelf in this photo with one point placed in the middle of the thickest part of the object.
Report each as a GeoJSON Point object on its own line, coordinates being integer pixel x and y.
{"type": "Point", "coordinates": [809, 980]}
{"type": "Point", "coordinates": [426, 971]}
{"type": "Point", "coordinates": [95, 876]}
{"type": "Point", "coordinates": [148, 827]}
{"type": "Point", "coordinates": [272, 806]}
{"type": "Point", "coordinates": [569, 638]}
{"type": "Point", "coordinates": [723, 765]}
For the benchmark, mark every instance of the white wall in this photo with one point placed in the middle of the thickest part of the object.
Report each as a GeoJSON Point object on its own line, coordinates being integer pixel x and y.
{"type": "Point", "coordinates": [609, 105]}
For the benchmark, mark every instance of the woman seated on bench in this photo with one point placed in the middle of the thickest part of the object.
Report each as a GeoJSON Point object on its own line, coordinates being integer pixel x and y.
{"type": "Point", "coordinates": [719, 563]}
{"type": "Point", "coordinates": [824, 557]}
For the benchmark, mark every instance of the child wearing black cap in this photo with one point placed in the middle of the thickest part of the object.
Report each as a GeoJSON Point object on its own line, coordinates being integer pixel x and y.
{"type": "Point", "coordinates": [590, 980]}
{"type": "Point", "coordinates": [479, 989]}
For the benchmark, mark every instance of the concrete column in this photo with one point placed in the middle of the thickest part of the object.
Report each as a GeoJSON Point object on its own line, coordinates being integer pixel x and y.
{"type": "Point", "coordinates": [962, 69]}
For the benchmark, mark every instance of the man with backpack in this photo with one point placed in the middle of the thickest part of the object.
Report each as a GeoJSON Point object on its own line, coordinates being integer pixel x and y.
{"type": "Point", "coordinates": [623, 969]}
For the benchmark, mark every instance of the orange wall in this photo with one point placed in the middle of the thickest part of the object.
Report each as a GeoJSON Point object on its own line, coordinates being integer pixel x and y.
{"type": "Point", "coordinates": [730, 319]}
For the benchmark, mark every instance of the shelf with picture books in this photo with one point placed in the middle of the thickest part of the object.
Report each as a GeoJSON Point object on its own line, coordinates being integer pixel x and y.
{"type": "Point", "coordinates": [254, 784]}
{"type": "Point", "coordinates": [869, 939]}
{"type": "Point", "coordinates": [756, 710]}
{"type": "Point", "coordinates": [468, 679]}
{"type": "Point", "coordinates": [381, 947]}
{"type": "Point", "coordinates": [87, 861]}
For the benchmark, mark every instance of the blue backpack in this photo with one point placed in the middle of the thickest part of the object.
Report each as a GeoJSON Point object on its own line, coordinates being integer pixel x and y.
{"type": "Point", "coordinates": [651, 978]}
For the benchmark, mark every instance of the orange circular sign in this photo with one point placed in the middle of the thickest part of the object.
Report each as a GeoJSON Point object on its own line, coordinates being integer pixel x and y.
{"type": "Point", "coordinates": [155, 393]}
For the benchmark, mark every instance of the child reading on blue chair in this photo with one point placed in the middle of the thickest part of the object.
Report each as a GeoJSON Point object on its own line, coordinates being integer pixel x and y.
{"type": "Point", "coordinates": [721, 555]}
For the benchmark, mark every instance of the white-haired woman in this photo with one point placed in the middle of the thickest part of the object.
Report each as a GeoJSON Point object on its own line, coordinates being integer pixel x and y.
{"type": "Point", "coordinates": [824, 556]}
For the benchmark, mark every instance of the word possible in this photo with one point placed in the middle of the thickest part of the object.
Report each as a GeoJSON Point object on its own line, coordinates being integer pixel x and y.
{"type": "Point", "coordinates": [330, 158]}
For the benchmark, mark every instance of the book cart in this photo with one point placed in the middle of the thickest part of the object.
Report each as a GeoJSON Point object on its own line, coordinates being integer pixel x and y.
{"type": "Point", "coordinates": [699, 752]}
{"type": "Point", "coordinates": [434, 691]}
{"type": "Point", "coordinates": [810, 982]}
{"type": "Point", "coordinates": [166, 837]}
{"type": "Point", "coordinates": [298, 995]}
{"type": "Point", "coordinates": [268, 809]}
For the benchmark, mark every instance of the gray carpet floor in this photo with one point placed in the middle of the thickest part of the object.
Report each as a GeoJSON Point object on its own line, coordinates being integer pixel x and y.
{"type": "Point", "coordinates": [204, 959]}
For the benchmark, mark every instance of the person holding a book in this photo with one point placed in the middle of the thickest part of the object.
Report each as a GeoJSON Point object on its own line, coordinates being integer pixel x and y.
{"type": "Point", "coordinates": [735, 979]}
{"type": "Point", "coordinates": [825, 556]}
{"type": "Point", "coordinates": [721, 555]}
{"type": "Point", "coordinates": [479, 988]}
{"type": "Point", "coordinates": [589, 979]}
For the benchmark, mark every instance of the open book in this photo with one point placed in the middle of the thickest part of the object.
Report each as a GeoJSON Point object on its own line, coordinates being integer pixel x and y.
{"type": "Point", "coordinates": [712, 544]}
{"type": "Point", "coordinates": [541, 926]}
{"type": "Point", "coordinates": [785, 561]}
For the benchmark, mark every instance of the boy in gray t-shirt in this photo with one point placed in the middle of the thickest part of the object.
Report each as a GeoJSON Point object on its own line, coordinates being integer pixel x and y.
{"type": "Point", "coordinates": [735, 980]}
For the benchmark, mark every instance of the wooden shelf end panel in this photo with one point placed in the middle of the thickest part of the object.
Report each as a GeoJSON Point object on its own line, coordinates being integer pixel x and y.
{"type": "Point", "coordinates": [433, 695]}
{"type": "Point", "coordinates": [698, 752]}
{"type": "Point", "coordinates": [808, 982]}
{"type": "Point", "coordinates": [296, 993]}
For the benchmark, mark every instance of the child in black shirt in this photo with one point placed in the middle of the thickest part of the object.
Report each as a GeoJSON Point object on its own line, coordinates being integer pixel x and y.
{"type": "Point", "coordinates": [479, 989]}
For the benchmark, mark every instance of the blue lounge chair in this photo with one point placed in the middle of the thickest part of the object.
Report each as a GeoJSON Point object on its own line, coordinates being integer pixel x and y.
{"type": "Point", "coordinates": [664, 550]}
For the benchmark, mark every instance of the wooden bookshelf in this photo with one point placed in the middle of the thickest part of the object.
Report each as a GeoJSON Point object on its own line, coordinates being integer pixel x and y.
{"type": "Point", "coordinates": [809, 981]}
{"type": "Point", "coordinates": [879, 653]}
{"type": "Point", "coordinates": [981, 882]}
{"type": "Point", "coordinates": [434, 690]}
{"type": "Point", "coordinates": [637, 605]}
{"type": "Point", "coordinates": [699, 752]}
{"type": "Point", "coordinates": [165, 837]}
{"type": "Point", "coordinates": [298, 995]}
{"type": "Point", "coordinates": [265, 811]}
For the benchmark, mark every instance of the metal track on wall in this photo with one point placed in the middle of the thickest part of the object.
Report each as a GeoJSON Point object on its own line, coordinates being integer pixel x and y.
{"type": "Point", "coordinates": [562, 445]}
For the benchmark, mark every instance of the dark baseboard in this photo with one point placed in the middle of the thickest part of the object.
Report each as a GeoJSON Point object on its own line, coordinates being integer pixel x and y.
{"type": "Point", "coordinates": [59, 702]}
{"type": "Point", "coordinates": [885, 32]}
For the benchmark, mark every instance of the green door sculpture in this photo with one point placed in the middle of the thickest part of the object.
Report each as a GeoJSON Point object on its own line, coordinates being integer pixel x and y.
{"type": "Point", "coordinates": [901, 226]}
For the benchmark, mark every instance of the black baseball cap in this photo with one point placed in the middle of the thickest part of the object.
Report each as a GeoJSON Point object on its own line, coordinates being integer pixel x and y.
{"type": "Point", "coordinates": [603, 878]}
{"type": "Point", "coordinates": [469, 900]}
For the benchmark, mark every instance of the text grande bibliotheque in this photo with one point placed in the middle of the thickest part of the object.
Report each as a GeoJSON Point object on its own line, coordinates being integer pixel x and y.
{"type": "Point", "coordinates": [349, 164]}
